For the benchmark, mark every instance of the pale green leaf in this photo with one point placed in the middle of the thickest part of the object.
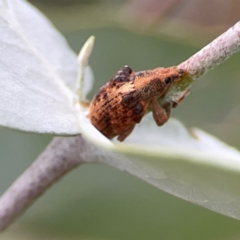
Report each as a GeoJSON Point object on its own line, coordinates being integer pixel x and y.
{"type": "Point", "coordinates": [194, 166]}
{"type": "Point", "coordinates": [38, 72]}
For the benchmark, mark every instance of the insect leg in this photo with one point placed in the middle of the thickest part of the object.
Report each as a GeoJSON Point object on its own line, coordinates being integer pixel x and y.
{"type": "Point", "coordinates": [160, 114]}
{"type": "Point", "coordinates": [125, 134]}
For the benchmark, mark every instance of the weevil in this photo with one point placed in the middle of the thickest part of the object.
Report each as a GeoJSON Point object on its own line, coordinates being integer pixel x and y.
{"type": "Point", "coordinates": [122, 102]}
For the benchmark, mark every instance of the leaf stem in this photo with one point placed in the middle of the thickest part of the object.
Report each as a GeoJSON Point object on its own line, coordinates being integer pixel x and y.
{"type": "Point", "coordinates": [214, 53]}
{"type": "Point", "coordinates": [209, 57]}
{"type": "Point", "coordinates": [61, 156]}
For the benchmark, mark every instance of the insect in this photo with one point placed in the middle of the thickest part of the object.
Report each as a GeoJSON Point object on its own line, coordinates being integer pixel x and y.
{"type": "Point", "coordinates": [122, 102]}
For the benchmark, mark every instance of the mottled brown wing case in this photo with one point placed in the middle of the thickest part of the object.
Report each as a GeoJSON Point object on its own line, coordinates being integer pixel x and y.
{"type": "Point", "coordinates": [117, 106]}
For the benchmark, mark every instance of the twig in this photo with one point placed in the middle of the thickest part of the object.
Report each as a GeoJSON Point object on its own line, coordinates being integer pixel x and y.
{"type": "Point", "coordinates": [61, 156]}
{"type": "Point", "coordinates": [206, 59]}
{"type": "Point", "coordinates": [214, 53]}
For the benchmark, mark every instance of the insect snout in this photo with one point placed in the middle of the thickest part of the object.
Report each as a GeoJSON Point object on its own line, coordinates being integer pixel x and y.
{"type": "Point", "coordinates": [170, 79]}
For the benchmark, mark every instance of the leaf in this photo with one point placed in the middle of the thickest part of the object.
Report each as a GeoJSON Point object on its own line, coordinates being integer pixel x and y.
{"type": "Point", "coordinates": [191, 165]}
{"type": "Point", "coordinates": [38, 72]}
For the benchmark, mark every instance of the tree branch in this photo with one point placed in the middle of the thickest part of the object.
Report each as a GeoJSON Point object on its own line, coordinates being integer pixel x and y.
{"type": "Point", "coordinates": [206, 59]}
{"type": "Point", "coordinates": [214, 53]}
{"type": "Point", "coordinates": [62, 155]}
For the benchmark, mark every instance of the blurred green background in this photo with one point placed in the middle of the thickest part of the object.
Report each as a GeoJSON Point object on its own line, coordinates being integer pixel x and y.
{"type": "Point", "coordinates": [98, 202]}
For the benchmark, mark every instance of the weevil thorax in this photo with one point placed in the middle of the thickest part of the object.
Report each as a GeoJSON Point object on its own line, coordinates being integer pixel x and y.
{"type": "Point", "coordinates": [156, 82]}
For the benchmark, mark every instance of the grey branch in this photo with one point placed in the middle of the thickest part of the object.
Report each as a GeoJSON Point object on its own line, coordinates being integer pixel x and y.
{"type": "Point", "coordinates": [206, 59]}
{"type": "Point", "coordinates": [214, 53]}
{"type": "Point", "coordinates": [61, 156]}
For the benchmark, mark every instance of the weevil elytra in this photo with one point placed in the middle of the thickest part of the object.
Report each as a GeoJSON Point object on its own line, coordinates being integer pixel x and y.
{"type": "Point", "coordinates": [122, 102]}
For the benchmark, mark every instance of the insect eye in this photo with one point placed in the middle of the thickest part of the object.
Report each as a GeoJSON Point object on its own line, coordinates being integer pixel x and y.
{"type": "Point", "coordinates": [167, 80]}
